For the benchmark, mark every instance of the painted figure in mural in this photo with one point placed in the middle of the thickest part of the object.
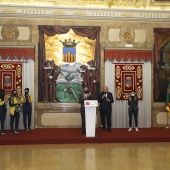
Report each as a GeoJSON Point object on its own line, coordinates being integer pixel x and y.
{"type": "Point", "coordinates": [50, 77]}
{"type": "Point", "coordinates": [69, 83]}
{"type": "Point", "coordinates": [163, 71]}
{"type": "Point", "coordinates": [105, 99]}
{"type": "Point", "coordinates": [133, 110]}
{"type": "Point", "coordinates": [162, 67]}
{"type": "Point", "coordinates": [27, 109]}
{"type": "Point", "coordinates": [167, 105]}
{"type": "Point", "coordinates": [83, 74]}
{"type": "Point", "coordinates": [86, 95]}
{"type": "Point", "coordinates": [3, 110]}
{"type": "Point", "coordinates": [15, 103]}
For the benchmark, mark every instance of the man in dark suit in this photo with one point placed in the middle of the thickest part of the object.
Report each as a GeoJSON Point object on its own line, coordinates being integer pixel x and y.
{"type": "Point", "coordinates": [105, 99]}
{"type": "Point", "coordinates": [86, 95]}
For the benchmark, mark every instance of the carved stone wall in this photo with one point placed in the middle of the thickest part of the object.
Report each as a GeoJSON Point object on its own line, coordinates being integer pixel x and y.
{"type": "Point", "coordinates": [159, 117]}
{"type": "Point", "coordinates": [15, 33]}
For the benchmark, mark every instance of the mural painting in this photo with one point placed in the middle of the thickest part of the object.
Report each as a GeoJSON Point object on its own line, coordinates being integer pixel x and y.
{"type": "Point", "coordinates": [69, 65]}
{"type": "Point", "coordinates": [161, 63]}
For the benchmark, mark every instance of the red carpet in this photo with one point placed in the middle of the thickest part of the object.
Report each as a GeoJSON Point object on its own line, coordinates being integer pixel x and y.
{"type": "Point", "coordinates": [74, 135]}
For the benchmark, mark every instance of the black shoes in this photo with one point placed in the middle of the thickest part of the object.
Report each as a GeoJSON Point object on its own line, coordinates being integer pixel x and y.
{"type": "Point", "coordinates": [109, 130]}
{"type": "Point", "coordinates": [104, 129]}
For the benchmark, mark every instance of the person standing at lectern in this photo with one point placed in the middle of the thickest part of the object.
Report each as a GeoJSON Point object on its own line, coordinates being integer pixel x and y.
{"type": "Point", "coordinates": [133, 110]}
{"type": "Point", "coordinates": [86, 95]}
{"type": "Point", "coordinates": [105, 99]}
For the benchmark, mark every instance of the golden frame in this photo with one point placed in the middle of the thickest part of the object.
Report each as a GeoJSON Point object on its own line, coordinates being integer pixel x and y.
{"type": "Point", "coordinates": [160, 2]}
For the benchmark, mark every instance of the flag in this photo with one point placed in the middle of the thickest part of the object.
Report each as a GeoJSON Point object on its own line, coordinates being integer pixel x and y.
{"type": "Point", "coordinates": [167, 99]}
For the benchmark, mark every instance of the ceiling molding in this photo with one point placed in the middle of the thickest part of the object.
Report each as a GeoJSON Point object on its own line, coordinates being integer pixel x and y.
{"type": "Point", "coordinates": [84, 13]}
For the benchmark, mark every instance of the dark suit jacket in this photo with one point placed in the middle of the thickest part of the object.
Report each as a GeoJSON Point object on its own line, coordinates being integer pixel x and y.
{"type": "Point", "coordinates": [133, 104]}
{"type": "Point", "coordinates": [104, 105]}
{"type": "Point", "coordinates": [81, 99]}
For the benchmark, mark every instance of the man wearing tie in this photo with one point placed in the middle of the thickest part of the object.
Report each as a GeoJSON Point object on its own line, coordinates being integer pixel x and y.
{"type": "Point", "coordinates": [84, 96]}
{"type": "Point", "coordinates": [105, 99]}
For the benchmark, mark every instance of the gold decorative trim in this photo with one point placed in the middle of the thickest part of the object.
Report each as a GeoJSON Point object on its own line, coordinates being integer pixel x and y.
{"type": "Point", "coordinates": [9, 10]}
{"type": "Point", "coordinates": [14, 1]}
{"type": "Point", "coordinates": [7, 66]}
{"type": "Point", "coordinates": [127, 15]}
{"type": "Point", "coordinates": [127, 35]}
{"type": "Point", "coordinates": [9, 32]}
{"type": "Point", "coordinates": [33, 11]}
{"type": "Point", "coordinates": [79, 13]}
{"type": "Point", "coordinates": [80, 2]}
{"type": "Point", "coordinates": [59, 12]}
{"type": "Point", "coordinates": [162, 3]}
{"type": "Point", "coordinates": [126, 3]}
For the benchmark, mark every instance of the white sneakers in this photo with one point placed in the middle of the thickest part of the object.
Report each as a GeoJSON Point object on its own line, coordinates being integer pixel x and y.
{"type": "Point", "coordinates": [130, 129]}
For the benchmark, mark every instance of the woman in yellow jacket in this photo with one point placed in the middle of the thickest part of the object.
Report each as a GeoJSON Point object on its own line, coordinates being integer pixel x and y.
{"type": "Point", "coordinates": [14, 101]}
{"type": "Point", "coordinates": [3, 110]}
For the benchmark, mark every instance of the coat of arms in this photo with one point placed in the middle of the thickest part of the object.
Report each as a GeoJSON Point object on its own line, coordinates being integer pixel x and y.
{"type": "Point", "coordinates": [128, 82]}
{"type": "Point", "coordinates": [69, 50]}
{"type": "Point", "coordinates": [7, 81]}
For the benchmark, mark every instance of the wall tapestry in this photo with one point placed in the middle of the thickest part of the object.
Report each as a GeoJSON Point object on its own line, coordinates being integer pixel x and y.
{"type": "Point", "coordinates": [128, 77]}
{"type": "Point", "coordinates": [11, 77]}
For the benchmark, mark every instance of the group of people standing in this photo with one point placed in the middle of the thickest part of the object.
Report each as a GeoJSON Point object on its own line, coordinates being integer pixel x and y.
{"type": "Point", "coordinates": [17, 103]}
{"type": "Point", "coordinates": [105, 99]}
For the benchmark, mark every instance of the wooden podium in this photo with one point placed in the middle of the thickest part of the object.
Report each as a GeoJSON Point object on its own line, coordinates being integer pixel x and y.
{"type": "Point", "coordinates": [90, 116]}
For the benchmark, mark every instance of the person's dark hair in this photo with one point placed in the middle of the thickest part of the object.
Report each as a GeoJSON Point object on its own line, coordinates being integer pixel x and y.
{"type": "Point", "coordinates": [13, 92]}
{"type": "Point", "coordinates": [133, 91]}
{"type": "Point", "coordinates": [2, 94]}
{"type": "Point", "coordinates": [27, 89]}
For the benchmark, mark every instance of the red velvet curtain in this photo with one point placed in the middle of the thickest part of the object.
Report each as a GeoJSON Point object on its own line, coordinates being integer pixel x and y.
{"type": "Point", "coordinates": [127, 54]}
{"type": "Point", "coordinates": [19, 52]}
{"type": "Point", "coordinates": [92, 32]}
